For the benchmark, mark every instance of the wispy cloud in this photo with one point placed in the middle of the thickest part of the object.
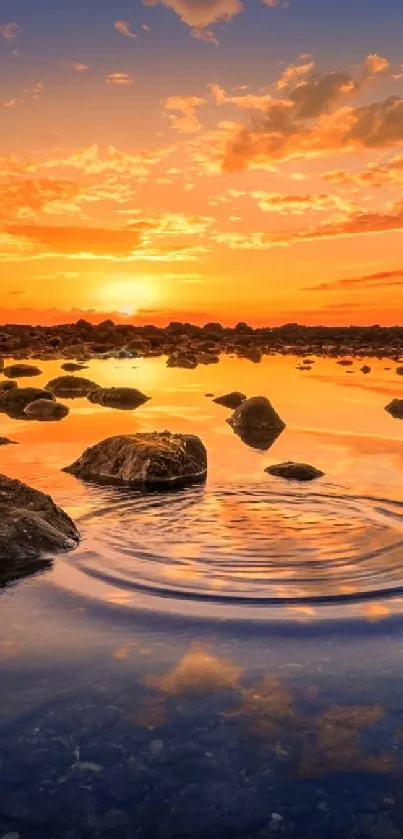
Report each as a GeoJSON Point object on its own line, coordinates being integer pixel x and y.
{"type": "Point", "coordinates": [119, 79]}
{"type": "Point", "coordinates": [10, 30]}
{"type": "Point", "coordinates": [123, 27]}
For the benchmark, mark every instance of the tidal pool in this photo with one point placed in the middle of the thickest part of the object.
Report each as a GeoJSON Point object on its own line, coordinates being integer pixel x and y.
{"type": "Point", "coordinates": [223, 660]}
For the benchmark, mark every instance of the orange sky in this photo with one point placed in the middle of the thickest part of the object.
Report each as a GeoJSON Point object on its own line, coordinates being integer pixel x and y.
{"type": "Point", "coordinates": [201, 160]}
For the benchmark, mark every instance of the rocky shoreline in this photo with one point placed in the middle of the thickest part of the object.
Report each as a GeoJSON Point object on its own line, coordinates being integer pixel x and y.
{"type": "Point", "coordinates": [187, 345]}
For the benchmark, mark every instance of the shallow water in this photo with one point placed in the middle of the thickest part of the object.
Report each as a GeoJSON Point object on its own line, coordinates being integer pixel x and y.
{"type": "Point", "coordinates": [210, 657]}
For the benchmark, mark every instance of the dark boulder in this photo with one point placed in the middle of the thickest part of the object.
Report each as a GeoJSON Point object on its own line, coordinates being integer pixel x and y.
{"type": "Point", "coordinates": [19, 371]}
{"type": "Point", "coordinates": [399, 371]}
{"type": "Point", "coordinates": [5, 386]}
{"type": "Point", "coordinates": [13, 402]}
{"type": "Point", "coordinates": [294, 471]}
{"type": "Point", "coordinates": [71, 387]}
{"type": "Point", "coordinates": [30, 524]}
{"type": "Point", "coordinates": [124, 398]}
{"type": "Point", "coordinates": [45, 410]}
{"type": "Point", "coordinates": [256, 422]}
{"type": "Point", "coordinates": [231, 400]}
{"type": "Point", "coordinates": [395, 408]}
{"type": "Point", "coordinates": [148, 460]}
{"type": "Point", "coordinates": [365, 369]}
{"type": "Point", "coordinates": [4, 441]}
{"type": "Point", "coordinates": [73, 367]}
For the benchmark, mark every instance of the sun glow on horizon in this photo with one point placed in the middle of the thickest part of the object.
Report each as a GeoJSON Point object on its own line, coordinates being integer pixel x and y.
{"type": "Point", "coordinates": [127, 296]}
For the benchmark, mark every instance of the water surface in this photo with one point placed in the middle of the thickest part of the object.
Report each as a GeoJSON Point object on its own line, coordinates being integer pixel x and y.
{"type": "Point", "coordinates": [211, 657]}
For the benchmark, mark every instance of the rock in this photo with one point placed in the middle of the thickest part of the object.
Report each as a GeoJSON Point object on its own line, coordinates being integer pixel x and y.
{"type": "Point", "coordinates": [184, 360]}
{"type": "Point", "coordinates": [4, 441]}
{"type": "Point", "coordinates": [30, 524]}
{"type": "Point", "coordinates": [256, 422]}
{"type": "Point", "coordinates": [1, 364]}
{"type": "Point", "coordinates": [345, 362]}
{"type": "Point", "coordinates": [294, 471]}
{"type": "Point", "coordinates": [252, 354]}
{"type": "Point", "coordinates": [365, 369]}
{"type": "Point", "coordinates": [148, 460]}
{"type": "Point", "coordinates": [14, 402]}
{"type": "Point", "coordinates": [5, 386]}
{"type": "Point", "coordinates": [231, 400]}
{"type": "Point", "coordinates": [399, 371]}
{"type": "Point", "coordinates": [308, 361]}
{"type": "Point", "coordinates": [395, 408]}
{"type": "Point", "coordinates": [125, 398]}
{"type": "Point", "coordinates": [19, 371]}
{"type": "Point", "coordinates": [45, 410]}
{"type": "Point", "coordinates": [71, 387]}
{"type": "Point", "coordinates": [73, 367]}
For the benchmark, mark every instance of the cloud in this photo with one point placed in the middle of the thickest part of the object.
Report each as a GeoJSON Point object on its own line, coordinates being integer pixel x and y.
{"type": "Point", "coordinates": [69, 240]}
{"type": "Point", "coordinates": [78, 66]}
{"type": "Point", "coordinates": [123, 27]}
{"type": "Point", "coordinates": [250, 101]}
{"type": "Point", "coordinates": [375, 64]}
{"type": "Point", "coordinates": [206, 35]}
{"type": "Point", "coordinates": [187, 106]}
{"type": "Point", "coordinates": [200, 14]}
{"type": "Point", "coordinates": [292, 73]}
{"type": "Point", "coordinates": [298, 204]}
{"type": "Point", "coordinates": [10, 30]}
{"type": "Point", "coordinates": [374, 175]}
{"type": "Point", "coordinates": [119, 79]}
{"type": "Point", "coordinates": [376, 280]}
{"type": "Point", "coordinates": [25, 198]}
{"type": "Point", "coordinates": [315, 96]}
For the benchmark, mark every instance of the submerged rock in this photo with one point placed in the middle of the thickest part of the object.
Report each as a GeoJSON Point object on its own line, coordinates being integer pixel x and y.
{"type": "Point", "coordinates": [399, 371]}
{"type": "Point", "coordinates": [19, 371]}
{"type": "Point", "coordinates": [294, 471]}
{"type": "Point", "coordinates": [184, 360]}
{"type": "Point", "coordinates": [45, 410]}
{"type": "Point", "coordinates": [13, 402]}
{"type": "Point", "coordinates": [395, 408]}
{"type": "Point", "coordinates": [257, 423]}
{"type": "Point", "coordinates": [231, 400]}
{"type": "Point", "coordinates": [30, 524]}
{"type": "Point", "coordinates": [125, 398]}
{"type": "Point", "coordinates": [150, 460]}
{"type": "Point", "coordinates": [365, 369]}
{"type": "Point", "coordinates": [4, 441]}
{"type": "Point", "coordinates": [71, 386]}
{"type": "Point", "coordinates": [345, 362]}
{"type": "Point", "coordinates": [73, 367]}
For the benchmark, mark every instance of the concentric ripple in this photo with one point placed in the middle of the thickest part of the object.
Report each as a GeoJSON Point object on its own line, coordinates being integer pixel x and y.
{"type": "Point", "coordinates": [246, 546]}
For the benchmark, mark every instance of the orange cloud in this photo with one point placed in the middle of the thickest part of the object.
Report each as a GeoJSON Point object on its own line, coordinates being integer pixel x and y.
{"type": "Point", "coordinates": [294, 72]}
{"type": "Point", "coordinates": [376, 280]}
{"type": "Point", "coordinates": [187, 106]}
{"type": "Point", "coordinates": [249, 101]}
{"type": "Point", "coordinates": [376, 64]}
{"type": "Point", "coordinates": [356, 223]}
{"type": "Point", "coordinates": [200, 14]}
{"type": "Point", "coordinates": [78, 66]}
{"type": "Point", "coordinates": [123, 27]}
{"type": "Point", "coordinates": [120, 79]}
{"type": "Point", "coordinates": [375, 175]}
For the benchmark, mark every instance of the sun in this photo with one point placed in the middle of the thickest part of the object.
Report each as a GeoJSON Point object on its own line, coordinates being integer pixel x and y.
{"type": "Point", "coordinates": [127, 295]}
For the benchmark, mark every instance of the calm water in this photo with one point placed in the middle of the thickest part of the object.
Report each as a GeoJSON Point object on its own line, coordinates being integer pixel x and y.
{"type": "Point", "coordinates": [224, 660]}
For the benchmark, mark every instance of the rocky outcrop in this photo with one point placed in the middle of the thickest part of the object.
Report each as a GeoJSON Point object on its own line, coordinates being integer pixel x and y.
{"type": "Point", "coordinates": [4, 441]}
{"type": "Point", "coordinates": [294, 471]}
{"type": "Point", "coordinates": [257, 423]}
{"type": "Point", "coordinates": [148, 460]}
{"type": "Point", "coordinates": [30, 524]}
{"type": "Point", "coordinates": [13, 402]}
{"type": "Point", "coordinates": [124, 398]}
{"type": "Point", "coordinates": [73, 367]}
{"type": "Point", "coordinates": [44, 410]}
{"type": "Point", "coordinates": [183, 360]}
{"type": "Point", "coordinates": [5, 386]}
{"type": "Point", "coordinates": [231, 400]}
{"type": "Point", "coordinates": [395, 408]}
{"type": "Point", "coordinates": [71, 387]}
{"type": "Point", "coordinates": [20, 371]}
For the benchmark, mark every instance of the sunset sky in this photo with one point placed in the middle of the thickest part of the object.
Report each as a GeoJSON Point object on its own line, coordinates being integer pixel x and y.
{"type": "Point", "coordinates": [201, 160]}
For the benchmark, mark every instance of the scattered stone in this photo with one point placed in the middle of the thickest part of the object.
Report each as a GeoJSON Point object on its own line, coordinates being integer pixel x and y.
{"type": "Point", "coordinates": [4, 441]}
{"type": "Point", "coordinates": [71, 387]}
{"type": "Point", "coordinates": [294, 471]}
{"type": "Point", "coordinates": [19, 371]}
{"type": "Point", "coordinates": [395, 408]}
{"type": "Point", "coordinates": [399, 371]}
{"type": "Point", "coordinates": [125, 398]}
{"type": "Point", "coordinates": [73, 367]}
{"type": "Point", "coordinates": [308, 361]}
{"type": "Point", "coordinates": [256, 422]}
{"type": "Point", "coordinates": [148, 460]}
{"type": "Point", "coordinates": [30, 524]}
{"type": "Point", "coordinates": [45, 410]}
{"type": "Point", "coordinates": [186, 361]}
{"type": "Point", "coordinates": [365, 369]}
{"type": "Point", "coordinates": [209, 394]}
{"type": "Point", "coordinates": [231, 400]}
{"type": "Point", "coordinates": [345, 362]}
{"type": "Point", "coordinates": [14, 402]}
